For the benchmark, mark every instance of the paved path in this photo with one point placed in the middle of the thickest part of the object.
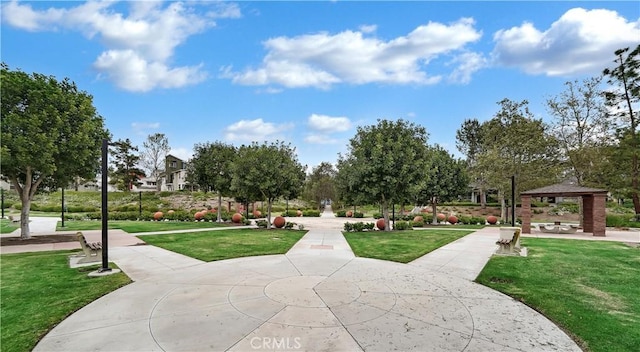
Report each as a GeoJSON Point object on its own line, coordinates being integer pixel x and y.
{"type": "Point", "coordinates": [316, 297]}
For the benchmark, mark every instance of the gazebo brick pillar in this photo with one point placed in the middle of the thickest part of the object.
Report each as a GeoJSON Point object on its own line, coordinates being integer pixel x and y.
{"type": "Point", "coordinates": [599, 214]}
{"type": "Point", "coordinates": [587, 213]}
{"type": "Point", "coordinates": [525, 213]}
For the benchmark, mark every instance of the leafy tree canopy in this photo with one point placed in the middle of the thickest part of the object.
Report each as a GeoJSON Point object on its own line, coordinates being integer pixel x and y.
{"type": "Point", "coordinates": [51, 133]}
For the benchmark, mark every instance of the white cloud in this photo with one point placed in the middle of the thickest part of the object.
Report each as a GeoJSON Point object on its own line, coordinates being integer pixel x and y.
{"type": "Point", "coordinates": [580, 41]}
{"type": "Point", "coordinates": [322, 60]}
{"type": "Point", "coordinates": [140, 44]}
{"type": "Point", "coordinates": [145, 125]}
{"type": "Point", "coordinates": [468, 64]}
{"type": "Point", "coordinates": [328, 124]}
{"type": "Point", "coordinates": [320, 139]}
{"type": "Point", "coordinates": [253, 130]}
{"type": "Point", "coordinates": [132, 72]}
{"type": "Point", "coordinates": [368, 28]}
{"type": "Point", "coordinates": [182, 153]}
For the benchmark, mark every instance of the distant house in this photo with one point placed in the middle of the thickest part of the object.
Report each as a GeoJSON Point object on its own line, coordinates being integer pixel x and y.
{"type": "Point", "coordinates": [175, 178]}
{"type": "Point", "coordinates": [147, 184]}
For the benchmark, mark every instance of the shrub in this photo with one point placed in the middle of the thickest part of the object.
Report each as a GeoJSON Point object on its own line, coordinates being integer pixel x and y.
{"type": "Point", "coordinates": [311, 213]}
{"type": "Point", "coordinates": [358, 214]}
{"type": "Point", "coordinates": [358, 226]}
{"type": "Point", "coordinates": [262, 224]}
{"type": "Point", "coordinates": [419, 223]}
{"type": "Point", "coordinates": [622, 221]}
{"type": "Point", "coordinates": [290, 213]}
{"type": "Point", "coordinates": [341, 214]}
{"type": "Point", "coordinates": [401, 225]}
{"type": "Point", "coordinates": [289, 225]}
{"type": "Point", "coordinates": [377, 215]}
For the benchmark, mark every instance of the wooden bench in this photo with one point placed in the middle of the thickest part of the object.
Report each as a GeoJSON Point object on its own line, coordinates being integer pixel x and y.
{"type": "Point", "coordinates": [92, 251]}
{"type": "Point", "coordinates": [509, 246]}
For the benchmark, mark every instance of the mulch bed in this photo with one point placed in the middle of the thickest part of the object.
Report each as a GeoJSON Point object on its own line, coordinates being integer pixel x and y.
{"type": "Point", "coordinates": [17, 241]}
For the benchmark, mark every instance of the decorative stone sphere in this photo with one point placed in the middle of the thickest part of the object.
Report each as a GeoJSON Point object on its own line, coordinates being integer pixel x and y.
{"type": "Point", "coordinates": [171, 211]}
{"type": "Point", "coordinates": [236, 218]}
{"type": "Point", "coordinates": [299, 213]}
{"type": "Point", "coordinates": [453, 219]}
{"type": "Point", "coordinates": [158, 215]}
{"type": "Point", "coordinates": [349, 214]}
{"type": "Point", "coordinates": [213, 210]}
{"type": "Point", "coordinates": [492, 220]}
{"type": "Point", "coordinates": [441, 217]}
{"type": "Point", "coordinates": [380, 224]}
{"type": "Point", "coordinates": [257, 213]}
{"type": "Point", "coordinates": [418, 219]}
{"type": "Point", "coordinates": [279, 222]}
{"type": "Point", "coordinates": [425, 210]}
{"type": "Point", "coordinates": [198, 216]}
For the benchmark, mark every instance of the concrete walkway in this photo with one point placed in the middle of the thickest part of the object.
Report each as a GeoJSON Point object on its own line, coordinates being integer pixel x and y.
{"type": "Point", "coordinates": [316, 297]}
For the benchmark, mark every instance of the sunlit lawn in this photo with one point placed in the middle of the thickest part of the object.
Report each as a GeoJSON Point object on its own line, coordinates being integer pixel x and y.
{"type": "Point", "coordinates": [590, 288]}
{"type": "Point", "coordinates": [138, 226]}
{"type": "Point", "coordinates": [400, 246]}
{"type": "Point", "coordinates": [6, 226]}
{"type": "Point", "coordinates": [226, 244]}
{"type": "Point", "coordinates": [38, 290]}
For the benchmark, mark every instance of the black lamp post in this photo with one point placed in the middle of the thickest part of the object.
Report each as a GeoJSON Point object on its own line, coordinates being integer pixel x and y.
{"type": "Point", "coordinates": [62, 206]}
{"type": "Point", "coordinates": [513, 201]}
{"type": "Point", "coordinates": [105, 210]}
{"type": "Point", "coordinates": [2, 201]}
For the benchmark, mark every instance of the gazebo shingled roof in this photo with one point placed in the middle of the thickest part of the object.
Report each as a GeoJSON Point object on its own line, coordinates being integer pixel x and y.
{"type": "Point", "coordinates": [563, 190]}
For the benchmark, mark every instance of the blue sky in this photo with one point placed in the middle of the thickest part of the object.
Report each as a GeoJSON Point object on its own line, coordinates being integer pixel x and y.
{"type": "Point", "coordinates": [309, 73]}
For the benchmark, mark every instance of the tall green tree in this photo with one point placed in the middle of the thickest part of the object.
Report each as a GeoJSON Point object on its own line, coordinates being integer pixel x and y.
{"type": "Point", "coordinates": [210, 169]}
{"type": "Point", "coordinates": [581, 126]}
{"type": "Point", "coordinates": [51, 133]}
{"type": "Point", "coordinates": [385, 163]}
{"type": "Point", "coordinates": [126, 172]}
{"type": "Point", "coordinates": [153, 156]}
{"type": "Point", "coordinates": [267, 171]}
{"type": "Point", "coordinates": [445, 178]}
{"type": "Point", "coordinates": [470, 142]}
{"type": "Point", "coordinates": [621, 100]}
{"type": "Point", "coordinates": [320, 184]}
{"type": "Point", "coordinates": [517, 144]}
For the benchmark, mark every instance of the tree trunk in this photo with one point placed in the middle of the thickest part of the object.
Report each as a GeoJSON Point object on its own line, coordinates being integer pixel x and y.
{"type": "Point", "coordinates": [634, 185]}
{"type": "Point", "coordinates": [385, 215]}
{"type": "Point", "coordinates": [219, 207]}
{"type": "Point", "coordinates": [25, 232]}
{"type": "Point", "coordinates": [268, 211]}
{"type": "Point", "coordinates": [434, 211]}
{"type": "Point", "coordinates": [503, 208]}
{"type": "Point", "coordinates": [483, 199]}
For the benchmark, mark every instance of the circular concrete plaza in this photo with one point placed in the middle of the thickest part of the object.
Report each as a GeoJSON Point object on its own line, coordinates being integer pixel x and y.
{"type": "Point", "coordinates": [316, 297]}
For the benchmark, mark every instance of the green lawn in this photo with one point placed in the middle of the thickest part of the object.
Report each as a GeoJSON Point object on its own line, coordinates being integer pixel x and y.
{"type": "Point", "coordinates": [589, 288]}
{"type": "Point", "coordinates": [400, 246]}
{"type": "Point", "coordinates": [38, 290]}
{"type": "Point", "coordinates": [137, 226]}
{"type": "Point", "coordinates": [455, 227]}
{"type": "Point", "coordinates": [7, 226]}
{"type": "Point", "coordinates": [226, 244]}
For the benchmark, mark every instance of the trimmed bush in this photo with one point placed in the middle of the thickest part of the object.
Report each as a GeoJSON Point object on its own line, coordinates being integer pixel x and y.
{"type": "Point", "coordinates": [311, 213]}
{"type": "Point", "coordinates": [402, 225]}
{"type": "Point", "coordinates": [341, 214]}
{"type": "Point", "coordinates": [358, 214]}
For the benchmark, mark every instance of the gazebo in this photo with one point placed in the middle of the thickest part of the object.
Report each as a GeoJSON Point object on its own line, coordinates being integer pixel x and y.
{"type": "Point", "coordinates": [594, 201]}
